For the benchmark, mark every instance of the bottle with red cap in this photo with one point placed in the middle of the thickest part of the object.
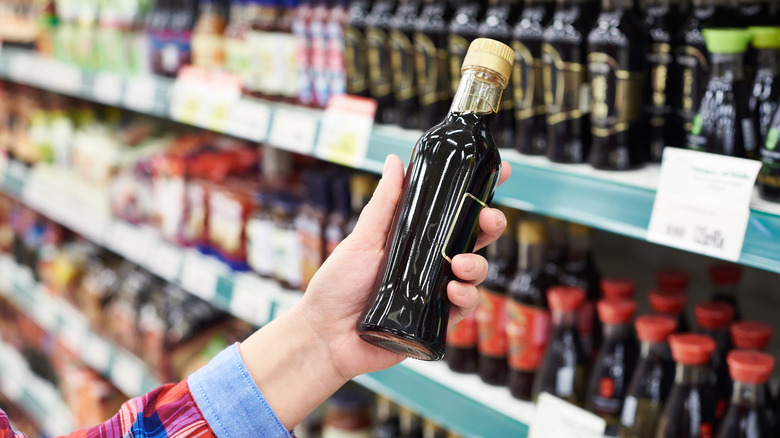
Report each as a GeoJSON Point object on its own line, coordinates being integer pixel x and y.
{"type": "Point", "coordinates": [713, 319]}
{"type": "Point", "coordinates": [528, 326]}
{"type": "Point", "coordinates": [563, 369]}
{"type": "Point", "coordinates": [689, 412]}
{"type": "Point", "coordinates": [747, 414]}
{"type": "Point", "coordinates": [492, 312]}
{"type": "Point", "coordinates": [615, 362]}
{"type": "Point", "coordinates": [652, 379]}
{"type": "Point", "coordinates": [725, 279]}
{"type": "Point", "coordinates": [672, 279]}
{"type": "Point", "coordinates": [671, 303]}
{"type": "Point", "coordinates": [752, 335]}
{"type": "Point", "coordinates": [617, 288]}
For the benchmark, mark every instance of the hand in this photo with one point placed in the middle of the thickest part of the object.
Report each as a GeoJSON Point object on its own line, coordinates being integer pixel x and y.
{"type": "Point", "coordinates": [301, 358]}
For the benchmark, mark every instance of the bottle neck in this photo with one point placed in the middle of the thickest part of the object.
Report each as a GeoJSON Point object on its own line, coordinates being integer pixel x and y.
{"type": "Point", "coordinates": [649, 350]}
{"type": "Point", "coordinates": [479, 92]}
{"type": "Point", "coordinates": [578, 251]}
{"type": "Point", "coordinates": [563, 319]}
{"type": "Point", "coordinates": [530, 257]}
{"type": "Point", "coordinates": [727, 66]}
{"type": "Point", "coordinates": [616, 5]}
{"type": "Point", "coordinates": [748, 394]}
{"type": "Point", "coordinates": [617, 331]}
{"type": "Point", "coordinates": [692, 374]}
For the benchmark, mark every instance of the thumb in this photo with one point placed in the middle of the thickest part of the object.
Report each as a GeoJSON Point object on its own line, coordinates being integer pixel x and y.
{"type": "Point", "coordinates": [375, 220]}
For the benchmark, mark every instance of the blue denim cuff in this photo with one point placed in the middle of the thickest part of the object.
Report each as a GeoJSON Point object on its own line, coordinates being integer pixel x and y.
{"type": "Point", "coordinates": [230, 401]}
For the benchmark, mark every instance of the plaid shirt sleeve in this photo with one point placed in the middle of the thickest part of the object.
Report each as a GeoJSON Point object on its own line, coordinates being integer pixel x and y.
{"type": "Point", "coordinates": [219, 400]}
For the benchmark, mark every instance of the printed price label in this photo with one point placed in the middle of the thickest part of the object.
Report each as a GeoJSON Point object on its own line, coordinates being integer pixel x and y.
{"type": "Point", "coordinates": [200, 275]}
{"type": "Point", "coordinates": [293, 131]}
{"type": "Point", "coordinates": [558, 418]}
{"type": "Point", "coordinates": [250, 120]}
{"type": "Point", "coordinates": [204, 98]}
{"type": "Point", "coordinates": [107, 88]}
{"type": "Point", "coordinates": [140, 94]}
{"type": "Point", "coordinates": [346, 128]}
{"type": "Point", "coordinates": [250, 301]}
{"type": "Point", "coordinates": [166, 261]}
{"type": "Point", "coordinates": [127, 374]}
{"type": "Point", "coordinates": [702, 203]}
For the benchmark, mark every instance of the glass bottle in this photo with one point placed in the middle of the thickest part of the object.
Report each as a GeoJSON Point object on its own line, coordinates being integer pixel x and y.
{"type": "Point", "coordinates": [340, 212]}
{"type": "Point", "coordinates": [402, 59]}
{"type": "Point", "coordinates": [671, 303]}
{"type": "Point", "coordinates": [755, 13]}
{"type": "Point", "coordinates": [432, 61]}
{"type": "Point", "coordinates": [236, 46]}
{"type": "Point", "coordinates": [432, 430]}
{"type": "Point", "coordinates": [380, 80]}
{"type": "Point", "coordinates": [692, 58]}
{"type": "Point", "coordinates": [347, 413]}
{"type": "Point", "coordinates": [582, 273]}
{"type": "Point", "coordinates": [320, 15]}
{"type": "Point", "coordinates": [713, 319]}
{"type": "Point", "coordinates": [356, 60]}
{"type": "Point", "coordinates": [528, 326]}
{"type": "Point", "coordinates": [747, 414]}
{"type": "Point", "coordinates": [492, 311]}
{"type": "Point", "coordinates": [527, 84]}
{"type": "Point", "coordinates": [208, 49]}
{"type": "Point", "coordinates": [651, 381]}
{"type": "Point", "coordinates": [265, 14]}
{"type": "Point", "coordinates": [387, 419]}
{"type": "Point", "coordinates": [765, 93]}
{"type": "Point", "coordinates": [285, 60]}
{"type": "Point", "coordinates": [769, 176]}
{"type": "Point", "coordinates": [452, 175]}
{"type": "Point", "coordinates": [689, 411]}
{"type": "Point", "coordinates": [557, 247]}
{"type": "Point", "coordinates": [301, 29]}
{"type": "Point", "coordinates": [500, 17]}
{"type": "Point", "coordinates": [723, 124]}
{"type": "Point", "coordinates": [661, 21]}
{"type": "Point", "coordinates": [615, 362]}
{"type": "Point", "coordinates": [464, 28]}
{"type": "Point", "coordinates": [260, 231]}
{"type": "Point", "coordinates": [750, 335]}
{"type": "Point", "coordinates": [461, 351]}
{"type": "Point", "coordinates": [618, 288]}
{"type": "Point", "coordinates": [285, 242]}
{"type": "Point", "coordinates": [565, 80]}
{"type": "Point", "coordinates": [725, 280]}
{"type": "Point", "coordinates": [410, 424]}
{"type": "Point", "coordinates": [562, 372]}
{"type": "Point", "coordinates": [311, 225]}
{"type": "Point", "coordinates": [672, 279]}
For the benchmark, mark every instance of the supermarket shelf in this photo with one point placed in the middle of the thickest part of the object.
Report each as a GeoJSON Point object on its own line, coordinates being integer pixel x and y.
{"type": "Point", "coordinates": [60, 319]}
{"type": "Point", "coordinates": [37, 397]}
{"type": "Point", "coordinates": [462, 403]}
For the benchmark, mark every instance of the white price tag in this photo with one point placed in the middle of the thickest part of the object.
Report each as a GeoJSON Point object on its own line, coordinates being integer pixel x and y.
{"type": "Point", "coordinates": [140, 94]}
{"type": "Point", "coordinates": [250, 301]}
{"type": "Point", "coordinates": [61, 77]}
{"type": "Point", "coordinates": [294, 131]}
{"type": "Point", "coordinates": [558, 418]}
{"type": "Point", "coordinates": [204, 98]}
{"type": "Point", "coordinates": [96, 353]}
{"type": "Point", "coordinates": [200, 275]}
{"type": "Point", "coordinates": [20, 68]}
{"type": "Point", "coordinates": [702, 203]}
{"type": "Point", "coordinates": [132, 242]}
{"type": "Point", "coordinates": [127, 374]}
{"type": "Point", "coordinates": [249, 119]}
{"type": "Point", "coordinates": [166, 261]}
{"type": "Point", "coordinates": [107, 88]}
{"type": "Point", "coordinates": [346, 128]}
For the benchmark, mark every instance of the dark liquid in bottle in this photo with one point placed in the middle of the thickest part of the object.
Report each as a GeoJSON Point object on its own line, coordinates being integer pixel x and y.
{"type": "Point", "coordinates": [650, 385]}
{"type": "Point", "coordinates": [769, 177]}
{"type": "Point", "coordinates": [452, 174]}
{"type": "Point", "coordinates": [765, 95]}
{"type": "Point", "coordinates": [616, 67]}
{"type": "Point", "coordinates": [380, 80]}
{"type": "Point", "coordinates": [356, 59]}
{"type": "Point", "coordinates": [746, 420]}
{"type": "Point", "coordinates": [661, 22]}
{"type": "Point", "coordinates": [564, 367]}
{"type": "Point", "coordinates": [461, 350]}
{"type": "Point", "coordinates": [432, 62]}
{"type": "Point", "coordinates": [719, 378]}
{"type": "Point", "coordinates": [688, 413]}
{"type": "Point", "coordinates": [530, 115]}
{"type": "Point", "coordinates": [582, 273]}
{"type": "Point", "coordinates": [564, 55]}
{"type": "Point", "coordinates": [402, 61]}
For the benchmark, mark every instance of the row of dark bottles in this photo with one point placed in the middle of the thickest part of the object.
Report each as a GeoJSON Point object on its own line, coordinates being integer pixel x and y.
{"type": "Point", "coordinates": [535, 330]}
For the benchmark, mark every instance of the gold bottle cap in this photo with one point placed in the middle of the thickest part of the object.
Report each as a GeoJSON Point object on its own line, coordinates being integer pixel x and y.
{"type": "Point", "coordinates": [530, 232]}
{"type": "Point", "coordinates": [491, 54]}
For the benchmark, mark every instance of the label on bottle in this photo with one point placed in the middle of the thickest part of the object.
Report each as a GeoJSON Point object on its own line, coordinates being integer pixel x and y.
{"type": "Point", "coordinates": [193, 229]}
{"type": "Point", "coordinates": [458, 46]}
{"type": "Point", "coordinates": [287, 256]}
{"type": "Point", "coordinates": [379, 78]}
{"type": "Point", "coordinates": [356, 60]}
{"type": "Point", "coordinates": [463, 334]}
{"type": "Point", "coordinates": [208, 51]}
{"type": "Point", "coordinates": [226, 223]}
{"type": "Point", "coordinates": [563, 87]}
{"type": "Point", "coordinates": [261, 65]}
{"type": "Point", "coordinates": [260, 255]}
{"type": "Point", "coordinates": [695, 69]}
{"type": "Point", "coordinates": [705, 430]}
{"type": "Point", "coordinates": [492, 319]}
{"type": "Point", "coordinates": [628, 415]}
{"type": "Point", "coordinates": [466, 214]}
{"type": "Point", "coordinates": [432, 67]}
{"type": "Point", "coordinates": [616, 96]}
{"type": "Point", "coordinates": [564, 381]}
{"type": "Point", "coordinates": [402, 61]}
{"type": "Point", "coordinates": [527, 79]}
{"type": "Point", "coordinates": [770, 157]}
{"type": "Point", "coordinates": [285, 65]}
{"type": "Point", "coordinates": [660, 59]}
{"type": "Point", "coordinates": [528, 329]}
{"type": "Point", "coordinates": [237, 58]}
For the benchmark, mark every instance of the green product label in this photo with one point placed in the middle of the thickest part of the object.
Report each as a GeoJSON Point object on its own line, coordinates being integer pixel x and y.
{"type": "Point", "coordinates": [696, 125]}
{"type": "Point", "coordinates": [771, 139]}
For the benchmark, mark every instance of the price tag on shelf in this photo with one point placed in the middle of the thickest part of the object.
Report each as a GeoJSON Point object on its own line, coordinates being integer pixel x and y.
{"type": "Point", "coordinates": [200, 275]}
{"type": "Point", "coordinates": [96, 352]}
{"type": "Point", "coordinates": [294, 131]}
{"type": "Point", "coordinates": [20, 67]}
{"type": "Point", "coordinates": [132, 242]}
{"type": "Point", "coordinates": [346, 128]}
{"type": "Point", "coordinates": [249, 119]}
{"type": "Point", "coordinates": [558, 418]}
{"type": "Point", "coordinates": [166, 261]}
{"type": "Point", "coordinates": [127, 374]}
{"type": "Point", "coordinates": [702, 202]}
{"type": "Point", "coordinates": [204, 98]}
{"type": "Point", "coordinates": [250, 301]}
{"type": "Point", "coordinates": [107, 88]}
{"type": "Point", "coordinates": [60, 77]}
{"type": "Point", "coordinates": [140, 94]}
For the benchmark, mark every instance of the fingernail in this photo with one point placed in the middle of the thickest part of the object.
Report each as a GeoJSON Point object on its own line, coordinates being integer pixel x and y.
{"type": "Point", "coordinates": [500, 220]}
{"type": "Point", "coordinates": [468, 264]}
{"type": "Point", "coordinates": [386, 166]}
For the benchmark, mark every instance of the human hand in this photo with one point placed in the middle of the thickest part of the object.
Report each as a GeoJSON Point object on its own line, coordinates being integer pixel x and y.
{"type": "Point", "coordinates": [340, 290]}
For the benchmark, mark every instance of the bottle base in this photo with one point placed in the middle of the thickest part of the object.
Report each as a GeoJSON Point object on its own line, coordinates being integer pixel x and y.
{"type": "Point", "coordinates": [400, 343]}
